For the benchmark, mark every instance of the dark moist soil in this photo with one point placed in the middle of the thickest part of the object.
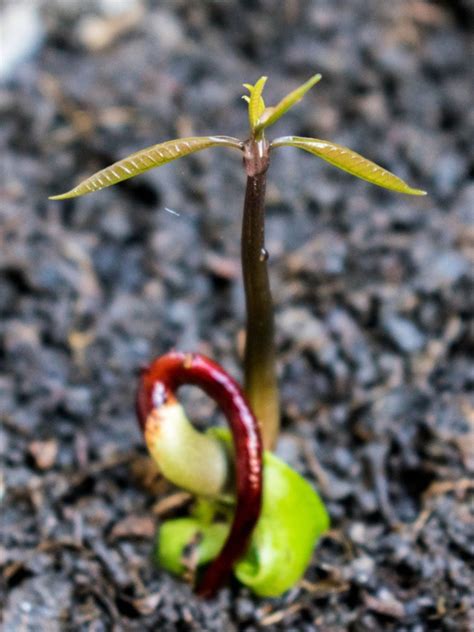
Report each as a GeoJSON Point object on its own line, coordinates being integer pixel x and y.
{"type": "Point", "coordinates": [373, 296]}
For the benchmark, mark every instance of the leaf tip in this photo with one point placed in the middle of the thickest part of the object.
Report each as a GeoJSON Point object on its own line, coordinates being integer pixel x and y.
{"type": "Point", "coordinates": [418, 192]}
{"type": "Point", "coordinates": [62, 196]}
{"type": "Point", "coordinates": [271, 115]}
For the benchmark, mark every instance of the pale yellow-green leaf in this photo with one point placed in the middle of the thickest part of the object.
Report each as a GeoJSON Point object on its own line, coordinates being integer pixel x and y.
{"type": "Point", "coordinates": [145, 159]}
{"type": "Point", "coordinates": [349, 161]}
{"type": "Point", "coordinates": [272, 114]}
{"type": "Point", "coordinates": [256, 103]}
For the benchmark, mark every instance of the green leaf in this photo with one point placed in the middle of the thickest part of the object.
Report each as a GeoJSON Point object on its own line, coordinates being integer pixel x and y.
{"type": "Point", "coordinates": [282, 544]}
{"type": "Point", "coordinates": [272, 114]}
{"type": "Point", "coordinates": [349, 161]}
{"type": "Point", "coordinates": [256, 103]}
{"type": "Point", "coordinates": [292, 519]}
{"type": "Point", "coordinates": [174, 536]}
{"type": "Point", "coordinates": [145, 159]}
{"type": "Point", "coordinates": [184, 454]}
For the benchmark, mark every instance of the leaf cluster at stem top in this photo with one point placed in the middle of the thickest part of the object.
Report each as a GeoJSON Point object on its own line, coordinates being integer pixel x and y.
{"type": "Point", "coordinates": [260, 117]}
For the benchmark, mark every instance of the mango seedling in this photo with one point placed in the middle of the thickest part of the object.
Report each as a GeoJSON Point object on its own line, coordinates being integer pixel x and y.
{"type": "Point", "coordinates": [254, 515]}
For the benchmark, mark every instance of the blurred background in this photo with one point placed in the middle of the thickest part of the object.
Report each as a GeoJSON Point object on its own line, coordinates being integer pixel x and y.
{"type": "Point", "coordinates": [373, 295]}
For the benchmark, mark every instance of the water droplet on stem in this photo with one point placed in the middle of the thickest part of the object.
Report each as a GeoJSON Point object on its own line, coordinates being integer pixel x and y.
{"type": "Point", "coordinates": [264, 254]}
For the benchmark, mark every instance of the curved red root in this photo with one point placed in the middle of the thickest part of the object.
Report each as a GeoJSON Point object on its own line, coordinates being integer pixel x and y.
{"type": "Point", "coordinates": [157, 386]}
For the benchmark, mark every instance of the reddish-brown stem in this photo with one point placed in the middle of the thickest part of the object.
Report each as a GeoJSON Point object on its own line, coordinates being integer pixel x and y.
{"type": "Point", "coordinates": [157, 386]}
{"type": "Point", "coordinates": [261, 385]}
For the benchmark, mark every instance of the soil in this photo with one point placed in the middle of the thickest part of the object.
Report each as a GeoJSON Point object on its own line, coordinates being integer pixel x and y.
{"type": "Point", "coordinates": [373, 297]}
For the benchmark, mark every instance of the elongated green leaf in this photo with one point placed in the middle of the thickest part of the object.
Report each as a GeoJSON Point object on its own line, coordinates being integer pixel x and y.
{"type": "Point", "coordinates": [349, 161]}
{"type": "Point", "coordinates": [145, 159]}
{"type": "Point", "coordinates": [272, 114]}
{"type": "Point", "coordinates": [256, 103]}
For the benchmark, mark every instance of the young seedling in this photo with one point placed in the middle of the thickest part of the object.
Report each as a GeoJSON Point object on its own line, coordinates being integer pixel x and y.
{"type": "Point", "coordinates": [283, 517]}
